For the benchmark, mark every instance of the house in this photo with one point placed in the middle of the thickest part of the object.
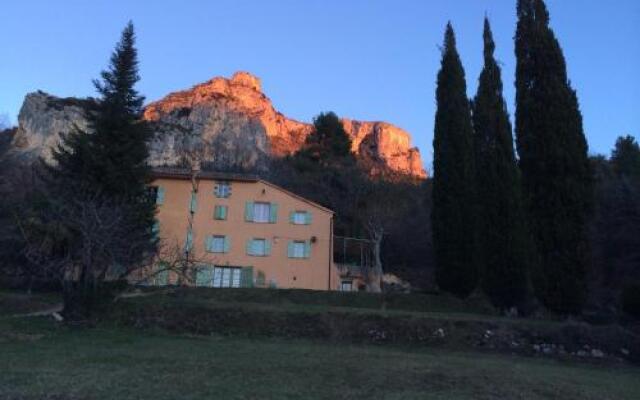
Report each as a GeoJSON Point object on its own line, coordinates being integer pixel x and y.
{"type": "Point", "coordinates": [243, 231]}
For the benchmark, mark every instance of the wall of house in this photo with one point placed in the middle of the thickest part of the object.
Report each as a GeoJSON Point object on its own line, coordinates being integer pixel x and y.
{"type": "Point", "coordinates": [279, 270]}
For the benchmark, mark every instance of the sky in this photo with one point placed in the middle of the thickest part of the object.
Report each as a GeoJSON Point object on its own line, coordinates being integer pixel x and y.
{"type": "Point", "coordinates": [363, 59]}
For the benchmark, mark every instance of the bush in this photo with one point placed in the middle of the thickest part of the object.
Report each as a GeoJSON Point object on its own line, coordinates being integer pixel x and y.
{"type": "Point", "coordinates": [631, 299]}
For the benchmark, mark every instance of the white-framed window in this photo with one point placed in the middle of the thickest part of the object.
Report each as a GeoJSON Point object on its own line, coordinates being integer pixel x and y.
{"type": "Point", "coordinates": [258, 247]}
{"type": "Point", "coordinates": [261, 212]}
{"type": "Point", "coordinates": [217, 244]}
{"type": "Point", "coordinates": [301, 218]}
{"type": "Point", "coordinates": [222, 189]}
{"type": "Point", "coordinates": [226, 277]}
{"type": "Point", "coordinates": [299, 249]}
{"type": "Point", "coordinates": [346, 286]}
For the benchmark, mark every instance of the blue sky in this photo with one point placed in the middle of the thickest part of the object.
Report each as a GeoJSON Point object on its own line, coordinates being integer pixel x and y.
{"type": "Point", "coordinates": [363, 59]}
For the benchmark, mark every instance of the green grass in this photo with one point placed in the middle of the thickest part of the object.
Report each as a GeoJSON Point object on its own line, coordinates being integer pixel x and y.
{"type": "Point", "coordinates": [300, 298]}
{"type": "Point", "coordinates": [39, 358]}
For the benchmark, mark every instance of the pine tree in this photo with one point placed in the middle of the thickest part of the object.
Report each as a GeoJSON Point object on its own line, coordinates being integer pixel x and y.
{"type": "Point", "coordinates": [453, 215]}
{"type": "Point", "coordinates": [328, 144]}
{"type": "Point", "coordinates": [553, 160]}
{"type": "Point", "coordinates": [625, 158]}
{"type": "Point", "coordinates": [503, 238]}
{"type": "Point", "coordinates": [111, 160]}
{"type": "Point", "coordinates": [105, 170]}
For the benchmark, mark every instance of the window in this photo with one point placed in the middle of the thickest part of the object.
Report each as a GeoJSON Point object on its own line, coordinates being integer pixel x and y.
{"type": "Point", "coordinates": [300, 218]}
{"type": "Point", "coordinates": [299, 249]}
{"type": "Point", "coordinates": [220, 213]}
{"type": "Point", "coordinates": [217, 244]}
{"type": "Point", "coordinates": [346, 286]}
{"type": "Point", "coordinates": [226, 277]}
{"type": "Point", "coordinates": [222, 190]}
{"type": "Point", "coordinates": [158, 193]}
{"type": "Point", "coordinates": [258, 247]}
{"type": "Point", "coordinates": [261, 212]}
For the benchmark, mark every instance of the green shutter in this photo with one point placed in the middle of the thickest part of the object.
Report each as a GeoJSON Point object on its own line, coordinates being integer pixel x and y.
{"type": "Point", "coordinates": [208, 243]}
{"type": "Point", "coordinates": [194, 202]}
{"type": "Point", "coordinates": [160, 196]}
{"type": "Point", "coordinates": [267, 247]}
{"type": "Point", "coordinates": [273, 216]}
{"type": "Point", "coordinates": [292, 216]}
{"type": "Point", "coordinates": [204, 276]}
{"type": "Point", "coordinates": [155, 230]}
{"type": "Point", "coordinates": [290, 249]}
{"type": "Point", "coordinates": [260, 279]}
{"type": "Point", "coordinates": [162, 276]}
{"type": "Point", "coordinates": [250, 247]}
{"type": "Point", "coordinates": [307, 249]}
{"type": "Point", "coordinates": [246, 277]}
{"type": "Point", "coordinates": [248, 211]}
{"type": "Point", "coordinates": [188, 245]}
{"type": "Point", "coordinates": [308, 218]}
{"type": "Point", "coordinates": [227, 244]}
{"type": "Point", "coordinates": [220, 212]}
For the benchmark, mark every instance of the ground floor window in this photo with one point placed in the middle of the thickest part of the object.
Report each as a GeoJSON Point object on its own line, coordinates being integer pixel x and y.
{"type": "Point", "coordinates": [346, 286]}
{"type": "Point", "coordinates": [224, 277]}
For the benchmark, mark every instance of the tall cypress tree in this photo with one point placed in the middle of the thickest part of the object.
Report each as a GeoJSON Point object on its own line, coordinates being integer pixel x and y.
{"type": "Point", "coordinates": [503, 238]}
{"type": "Point", "coordinates": [453, 213]}
{"type": "Point", "coordinates": [553, 159]}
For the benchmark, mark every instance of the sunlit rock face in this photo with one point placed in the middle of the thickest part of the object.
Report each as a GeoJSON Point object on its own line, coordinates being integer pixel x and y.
{"type": "Point", "coordinates": [41, 121]}
{"type": "Point", "coordinates": [229, 121]}
{"type": "Point", "coordinates": [236, 114]}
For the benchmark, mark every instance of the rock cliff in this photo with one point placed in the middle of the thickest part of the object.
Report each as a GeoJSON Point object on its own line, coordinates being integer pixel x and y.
{"type": "Point", "coordinates": [230, 121]}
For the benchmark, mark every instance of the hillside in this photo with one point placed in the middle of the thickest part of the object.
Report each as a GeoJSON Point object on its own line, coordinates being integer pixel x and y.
{"type": "Point", "coordinates": [275, 344]}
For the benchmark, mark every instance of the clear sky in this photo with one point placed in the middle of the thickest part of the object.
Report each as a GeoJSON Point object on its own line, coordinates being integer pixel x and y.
{"type": "Point", "coordinates": [363, 59]}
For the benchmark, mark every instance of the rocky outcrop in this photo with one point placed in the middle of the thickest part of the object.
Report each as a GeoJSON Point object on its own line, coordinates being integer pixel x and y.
{"type": "Point", "coordinates": [43, 118]}
{"type": "Point", "coordinates": [229, 121]}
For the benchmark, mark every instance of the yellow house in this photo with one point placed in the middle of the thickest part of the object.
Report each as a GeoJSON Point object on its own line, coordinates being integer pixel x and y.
{"type": "Point", "coordinates": [244, 232]}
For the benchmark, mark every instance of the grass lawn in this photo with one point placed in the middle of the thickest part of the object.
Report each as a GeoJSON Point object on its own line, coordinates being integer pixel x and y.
{"type": "Point", "coordinates": [39, 359]}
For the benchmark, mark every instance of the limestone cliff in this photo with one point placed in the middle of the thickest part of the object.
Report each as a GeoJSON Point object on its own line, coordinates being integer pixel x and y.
{"type": "Point", "coordinates": [228, 120]}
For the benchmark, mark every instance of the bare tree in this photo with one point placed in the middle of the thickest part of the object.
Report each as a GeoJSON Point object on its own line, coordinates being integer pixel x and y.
{"type": "Point", "coordinates": [82, 243]}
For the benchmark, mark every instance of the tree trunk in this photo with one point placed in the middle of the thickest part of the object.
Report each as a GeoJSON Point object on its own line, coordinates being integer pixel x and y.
{"type": "Point", "coordinates": [374, 278]}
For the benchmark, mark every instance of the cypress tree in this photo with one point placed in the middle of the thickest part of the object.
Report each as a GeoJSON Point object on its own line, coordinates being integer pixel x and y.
{"type": "Point", "coordinates": [503, 237]}
{"type": "Point", "coordinates": [454, 177]}
{"type": "Point", "coordinates": [553, 160]}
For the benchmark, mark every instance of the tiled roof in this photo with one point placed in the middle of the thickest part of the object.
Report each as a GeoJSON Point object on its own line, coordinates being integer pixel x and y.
{"type": "Point", "coordinates": [183, 173]}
